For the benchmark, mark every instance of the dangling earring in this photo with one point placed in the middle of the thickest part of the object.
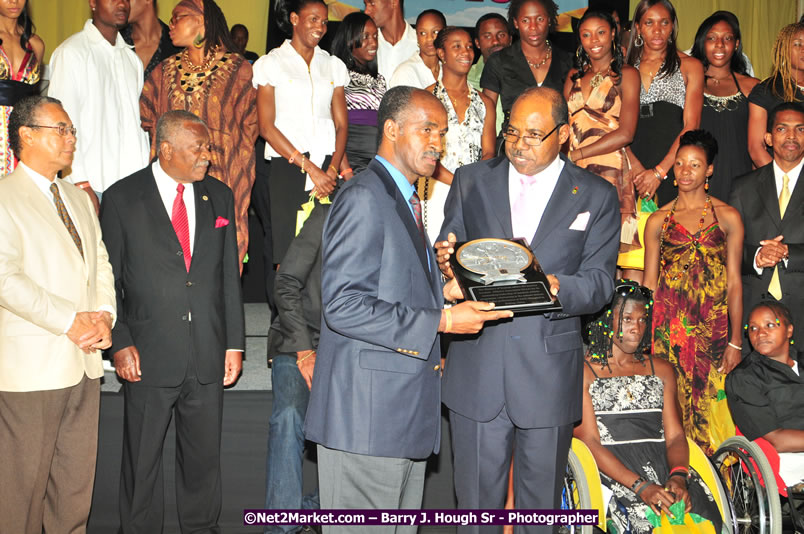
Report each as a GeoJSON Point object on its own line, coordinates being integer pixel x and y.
{"type": "Point", "coordinates": [198, 42]}
{"type": "Point", "coordinates": [638, 41]}
{"type": "Point", "coordinates": [706, 185]}
{"type": "Point", "coordinates": [675, 182]}
{"type": "Point", "coordinates": [791, 341]}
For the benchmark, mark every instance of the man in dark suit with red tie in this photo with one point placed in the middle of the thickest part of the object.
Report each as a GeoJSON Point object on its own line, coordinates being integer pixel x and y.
{"type": "Point", "coordinates": [179, 337]}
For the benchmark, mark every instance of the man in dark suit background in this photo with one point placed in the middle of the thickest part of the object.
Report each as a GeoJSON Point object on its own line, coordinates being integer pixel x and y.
{"type": "Point", "coordinates": [771, 202]}
{"type": "Point", "coordinates": [375, 403]}
{"type": "Point", "coordinates": [179, 336]}
{"type": "Point", "coordinates": [516, 388]}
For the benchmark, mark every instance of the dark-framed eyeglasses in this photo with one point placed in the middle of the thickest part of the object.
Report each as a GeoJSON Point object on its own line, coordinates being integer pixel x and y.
{"type": "Point", "coordinates": [62, 129]}
{"type": "Point", "coordinates": [512, 137]}
{"type": "Point", "coordinates": [175, 19]}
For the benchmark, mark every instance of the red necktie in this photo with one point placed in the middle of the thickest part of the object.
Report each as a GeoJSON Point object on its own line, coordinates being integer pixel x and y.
{"type": "Point", "coordinates": [181, 226]}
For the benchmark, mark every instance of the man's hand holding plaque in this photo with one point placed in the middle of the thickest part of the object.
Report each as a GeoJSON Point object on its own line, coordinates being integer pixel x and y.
{"type": "Point", "coordinates": [499, 270]}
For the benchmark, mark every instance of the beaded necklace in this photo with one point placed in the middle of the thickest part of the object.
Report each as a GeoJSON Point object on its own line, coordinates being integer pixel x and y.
{"type": "Point", "coordinates": [693, 250]}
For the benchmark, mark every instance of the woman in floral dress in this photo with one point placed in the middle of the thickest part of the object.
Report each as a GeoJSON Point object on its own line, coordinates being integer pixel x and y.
{"type": "Point", "coordinates": [692, 260]}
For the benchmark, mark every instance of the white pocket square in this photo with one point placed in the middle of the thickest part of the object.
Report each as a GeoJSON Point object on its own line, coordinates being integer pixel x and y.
{"type": "Point", "coordinates": [580, 222]}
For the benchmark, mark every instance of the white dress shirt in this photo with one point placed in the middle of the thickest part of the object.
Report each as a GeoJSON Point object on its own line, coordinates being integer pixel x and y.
{"type": "Point", "coordinates": [302, 98]}
{"type": "Point", "coordinates": [99, 86]}
{"type": "Point", "coordinates": [414, 72]}
{"type": "Point", "coordinates": [778, 175]}
{"type": "Point", "coordinates": [43, 184]}
{"type": "Point", "coordinates": [167, 192]}
{"type": "Point", "coordinates": [389, 56]}
{"type": "Point", "coordinates": [537, 195]}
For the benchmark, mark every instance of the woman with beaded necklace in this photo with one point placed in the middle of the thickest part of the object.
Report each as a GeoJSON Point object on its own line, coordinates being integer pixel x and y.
{"type": "Point", "coordinates": [603, 100]}
{"type": "Point", "coordinates": [209, 79]}
{"type": "Point", "coordinates": [692, 260]}
{"type": "Point", "coordinates": [530, 61]}
{"type": "Point", "coordinates": [630, 419]}
{"type": "Point", "coordinates": [726, 88]}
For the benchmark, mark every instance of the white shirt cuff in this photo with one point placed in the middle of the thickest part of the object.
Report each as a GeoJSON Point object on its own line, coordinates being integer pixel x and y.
{"type": "Point", "coordinates": [70, 323]}
{"type": "Point", "coordinates": [760, 269]}
{"type": "Point", "coordinates": [111, 311]}
{"type": "Point", "coordinates": [756, 268]}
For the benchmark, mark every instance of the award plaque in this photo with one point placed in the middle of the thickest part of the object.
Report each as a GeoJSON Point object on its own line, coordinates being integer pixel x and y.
{"type": "Point", "coordinates": [504, 272]}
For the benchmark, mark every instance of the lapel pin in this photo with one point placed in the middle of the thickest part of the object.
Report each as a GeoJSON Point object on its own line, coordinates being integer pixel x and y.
{"type": "Point", "coordinates": [204, 197]}
{"type": "Point", "coordinates": [575, 190]}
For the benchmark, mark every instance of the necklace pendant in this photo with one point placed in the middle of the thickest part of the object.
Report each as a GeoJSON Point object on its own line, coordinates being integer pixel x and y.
{"type": "Point", "coordinates": [597, 79]}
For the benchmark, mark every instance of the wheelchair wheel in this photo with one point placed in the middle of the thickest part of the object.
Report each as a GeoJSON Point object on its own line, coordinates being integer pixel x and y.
{"type": "Point", "coordinates": [575, 494]}
{"type": "Point", "coordinates": [751, 485]}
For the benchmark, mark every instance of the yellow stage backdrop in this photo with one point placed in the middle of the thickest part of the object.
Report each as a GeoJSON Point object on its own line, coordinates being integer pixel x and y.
{"type": "Point", "coordinates": [56, 20]}
{"type": "Point", "coordinates": [760, 21]}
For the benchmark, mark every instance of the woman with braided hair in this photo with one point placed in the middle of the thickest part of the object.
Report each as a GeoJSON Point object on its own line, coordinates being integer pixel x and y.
{"type": "Point", "coordinates": [631, 420]}
{"type": "Point", "coordinates": [210, 79]}
{"type": "Point", "coordinates": [785, 84]}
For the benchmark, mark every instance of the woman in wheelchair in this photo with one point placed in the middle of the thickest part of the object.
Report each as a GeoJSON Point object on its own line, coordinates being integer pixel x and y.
{"type": "Point", "coordinates": [766, 390]}
{"type": "Point", "coordinates": [631, 419]}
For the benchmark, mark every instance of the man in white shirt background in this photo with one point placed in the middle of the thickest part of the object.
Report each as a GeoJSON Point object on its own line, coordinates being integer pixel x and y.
{"type": "Point", "coordinates": [99, 78]}
{"type": "Point", "coordinates": [396, 39]}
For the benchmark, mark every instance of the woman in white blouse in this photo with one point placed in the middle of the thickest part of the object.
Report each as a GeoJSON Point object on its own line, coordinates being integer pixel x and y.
{"type": "Point", "coordinates": [302, 114]}
{"type": "Point", "coordinates": [422, 68]}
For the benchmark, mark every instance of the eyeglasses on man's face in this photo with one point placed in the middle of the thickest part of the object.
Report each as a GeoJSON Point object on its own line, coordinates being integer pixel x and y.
{"type": "Point", "coordinates": [61, 128]}
{"type": "Point", "coordinates": [512, 137]}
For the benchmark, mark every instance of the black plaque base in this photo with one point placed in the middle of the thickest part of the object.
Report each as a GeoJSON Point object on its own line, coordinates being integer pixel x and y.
{"type": "Point", "coordinates": [530, 295]}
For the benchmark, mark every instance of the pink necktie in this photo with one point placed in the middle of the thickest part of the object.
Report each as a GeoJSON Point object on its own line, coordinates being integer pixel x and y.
{"type": "Point", "coordinates": [522, 222]}
{"type": "Point", "coordinates": [180, 225]}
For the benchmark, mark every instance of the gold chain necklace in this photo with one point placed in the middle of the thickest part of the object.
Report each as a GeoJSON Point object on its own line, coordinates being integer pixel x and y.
{"type": "Point", "coordinates": [209, 59]}
{"type": "Point", "coordinates": [598, 78]}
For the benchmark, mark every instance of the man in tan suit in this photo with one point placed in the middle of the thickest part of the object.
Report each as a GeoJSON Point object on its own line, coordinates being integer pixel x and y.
{"type": "Point", "coordinates": [57, 305]}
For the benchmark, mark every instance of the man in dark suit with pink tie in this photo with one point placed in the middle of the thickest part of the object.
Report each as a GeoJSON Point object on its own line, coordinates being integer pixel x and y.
{"type": "Point", "coordinates": [179, 336]}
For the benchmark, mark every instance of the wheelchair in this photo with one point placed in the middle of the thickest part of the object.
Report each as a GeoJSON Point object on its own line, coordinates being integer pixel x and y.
{"type": "Point", "coordinates": [583, 489]}
{"type": "Point", "coordinates": [762, 503]}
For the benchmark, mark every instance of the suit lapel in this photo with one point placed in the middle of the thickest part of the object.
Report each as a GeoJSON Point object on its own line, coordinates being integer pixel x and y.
{"type": "Point", "coordinates": [767, 194]}
{"type": "Point", "coordinates": [204, 215]}
{"type": "Point", "coordinates": [498, 197]}
{"type": "Point", "coordinates": [403, 211]}
{"type": "Point", "coordinates": [559, 207]}
{"type": "Point", "coordinates": [47, 210]}
{"type": "Point", "coordinates": [159, 216]}
{"type": "Point", "coordinates": [796, 198]}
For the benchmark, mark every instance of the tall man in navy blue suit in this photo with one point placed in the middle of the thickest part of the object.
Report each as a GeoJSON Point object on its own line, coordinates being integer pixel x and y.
{"type": "Point", "coordinates": [516, 388]}
{"type": "Point", "coordinates": [375, 403]}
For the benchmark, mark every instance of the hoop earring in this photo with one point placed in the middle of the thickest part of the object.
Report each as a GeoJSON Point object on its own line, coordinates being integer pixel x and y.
{"type": "Point", "coordinates": [638, 41]}
{"type": "Point", "coordinates": [578, 53]}
{"type": "Point", "coordinates": [198, 42]}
